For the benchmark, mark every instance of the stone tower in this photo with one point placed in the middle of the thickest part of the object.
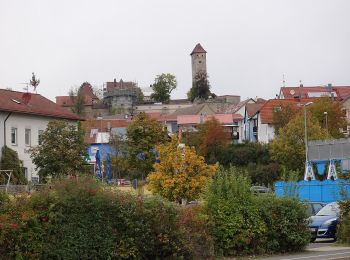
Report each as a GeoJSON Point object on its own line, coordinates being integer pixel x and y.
{"type": "Point", "coordinates": [199, 61]}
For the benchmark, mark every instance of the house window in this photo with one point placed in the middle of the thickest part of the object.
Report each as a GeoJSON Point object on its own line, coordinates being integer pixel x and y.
{"type": "Point", "coordinates": [25, 171]}
{"type": "Point", "coordinates": [14, 136]}
{"type": "Point", "coordinates": [277, 109]}
{"type": "Point", "coordinates": [40, 133]}
{"type": "Point", "coordinates": [27, 137]}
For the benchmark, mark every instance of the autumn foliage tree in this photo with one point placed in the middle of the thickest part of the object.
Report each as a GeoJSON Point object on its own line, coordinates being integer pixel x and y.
{"type": "Point", "coordinates": [329, 115]}
{"type": "Point", "coordinates": [181, 172]}
{"type": "Point", "coordinates": [282, 116]}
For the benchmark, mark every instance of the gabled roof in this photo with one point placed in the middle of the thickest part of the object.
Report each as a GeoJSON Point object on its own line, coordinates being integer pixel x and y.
{"type": "Point", "coordinates": [234, 108]}
{"type": "Point", "coordinates": [266, 111]}
{"type": "Point", "coordinates": [341, 92]}
{"type": "Point", "coordinates": [33, 104]}
{"type": "Point", "coordinates": [193, 110]}
{"type": "Point", "coordinates": [253, 108]}
{"type": "Point", "coordinates": [198, 49]}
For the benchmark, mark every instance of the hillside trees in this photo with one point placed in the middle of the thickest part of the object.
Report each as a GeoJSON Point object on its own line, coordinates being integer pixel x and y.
{"type": "Point", "coordinates": [200, 88]}
{"type": "Point", "coordinates": [163, 85]}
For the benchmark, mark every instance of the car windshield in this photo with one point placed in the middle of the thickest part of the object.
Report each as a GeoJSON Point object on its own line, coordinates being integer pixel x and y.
{"type": "Point", "coordinates": [331, 209]}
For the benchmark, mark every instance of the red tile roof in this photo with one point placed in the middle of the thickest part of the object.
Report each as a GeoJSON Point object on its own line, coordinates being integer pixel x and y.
{"type": "Point", "coordinates": [253, 108]}
{"type": "Point", "coordinates": [306, 92]}
{"type": "Point", "coordinates": [162, 117]}
{"type": "Point", "coordinates": [266, 111]}
{"type": "Point", "coordinates": [86, 91]}
{"type": "Point", "coordinates": [224, 119]}
{"type": "Point", "coordinates": [101, 126]}
{"type": "Point", "coordinates": [67, 101]}
{"type": "Point", "coordinates": [198, 49]}
{"type": "Point", "coordinates": [34, 104]}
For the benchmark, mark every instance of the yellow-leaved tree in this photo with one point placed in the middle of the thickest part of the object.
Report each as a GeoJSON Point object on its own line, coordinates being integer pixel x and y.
{"type": "Point", "coordinates": [180, 173]}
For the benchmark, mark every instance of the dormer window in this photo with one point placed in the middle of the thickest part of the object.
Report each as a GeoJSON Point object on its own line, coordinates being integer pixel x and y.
{"type": "Point", "coordinates": [277, 109]}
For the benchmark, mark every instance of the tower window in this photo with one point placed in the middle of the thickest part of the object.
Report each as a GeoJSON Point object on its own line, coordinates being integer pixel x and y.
{"type": "Point", "coordinates": [200, 61]}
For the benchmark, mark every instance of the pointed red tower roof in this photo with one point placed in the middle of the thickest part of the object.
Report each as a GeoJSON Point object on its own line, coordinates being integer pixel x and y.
{"type": "Point", "coordinates": [198, 49]}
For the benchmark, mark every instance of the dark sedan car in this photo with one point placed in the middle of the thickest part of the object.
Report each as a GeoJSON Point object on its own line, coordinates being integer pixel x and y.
{"type": "Point", "coordinates": [314, 207]}
{"type": "Point", "coordinates": [324, 223]}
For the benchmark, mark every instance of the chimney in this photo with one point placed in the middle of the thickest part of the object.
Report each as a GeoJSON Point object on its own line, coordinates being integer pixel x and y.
{"type": "Point", "coordinates": [115, 83]}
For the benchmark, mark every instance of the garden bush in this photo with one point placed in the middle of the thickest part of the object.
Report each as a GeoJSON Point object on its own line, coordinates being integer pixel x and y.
{"type": "Point", "coordinates": [343, 232]}
{"type": "Point", "coordinates": [237, 226]}
{"type": "Point", "coordinates": [244, 223]}
{"type": "Point", "coordinates": [81, 219]}
{"type": "Point", "coordinates": [286, 219]}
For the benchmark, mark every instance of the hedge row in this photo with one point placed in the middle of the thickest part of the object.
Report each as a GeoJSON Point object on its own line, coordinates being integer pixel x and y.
{"type": "Point", "coordinates": [81, 220]}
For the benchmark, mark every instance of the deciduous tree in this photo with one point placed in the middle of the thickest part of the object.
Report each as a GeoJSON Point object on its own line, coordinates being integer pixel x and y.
{"type": "Point", "coordinates": [180, 174]}
{"type": "Point", "coordinates": [329, 115]}
{"type": "Point", "coordinates": [212, 135]}
{"type": "Point", "coordinates": [282, 116]}
{"type": "Point", "coordinates": [61, 151]}
{"type": "Point", "coordinates": [143, 134]}
{"type": "Point", "coordinates": [163, 85]}
{"type": "Point", "coordinates": [288, 148]}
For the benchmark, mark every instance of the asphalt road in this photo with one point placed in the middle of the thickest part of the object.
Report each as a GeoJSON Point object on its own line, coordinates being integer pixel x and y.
{"type": "Point", "coordinates": [320, 250]}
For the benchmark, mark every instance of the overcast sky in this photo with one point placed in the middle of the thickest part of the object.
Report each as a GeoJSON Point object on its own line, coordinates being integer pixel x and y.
{"type": "Point", "coordinates": [250, 44]}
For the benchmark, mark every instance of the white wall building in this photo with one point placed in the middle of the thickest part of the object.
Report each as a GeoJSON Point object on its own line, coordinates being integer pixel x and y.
{"type": "Point", "coordinates": [23, 117]}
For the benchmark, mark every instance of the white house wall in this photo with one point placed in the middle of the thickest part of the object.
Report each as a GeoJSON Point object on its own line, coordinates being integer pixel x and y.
{"type": "Point", "coordinates": [22, 122]}
{"type": "Point", "coordinates": [266, 132]}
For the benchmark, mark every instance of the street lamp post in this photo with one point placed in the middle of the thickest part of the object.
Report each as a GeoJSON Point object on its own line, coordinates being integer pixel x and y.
{"type": "Point", "coordinates": [326, 115]}
{"type": "Point", "coordinates": [307, 170]}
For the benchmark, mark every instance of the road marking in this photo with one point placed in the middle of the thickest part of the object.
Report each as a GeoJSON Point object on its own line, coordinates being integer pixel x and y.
{"type": "Point", "coordinates": [316, 256]}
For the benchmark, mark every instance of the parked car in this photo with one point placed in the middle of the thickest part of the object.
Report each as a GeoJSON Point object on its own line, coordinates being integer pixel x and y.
{"type": "Point", "coordinates": [123, 182]}
{"type": "Point", "coordinates": [314, 207]}
{"type": "Point", "coordinates": [324, 223]}
{"type": "Point", "coordinates": [260, 189]}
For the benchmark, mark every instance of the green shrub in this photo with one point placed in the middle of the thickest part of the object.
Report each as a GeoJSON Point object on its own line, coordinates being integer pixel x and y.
{"type": "Point", "coordinates": [344, 227]}
{"type": "Point", "coordinates": [81, 219]}
{"type": "Point", "coordinates": [10, 161]}
{"type": "Point", "coordinates": [237, 226]}
{"type": "Point", "coordinates": [286, 219]}
{"type": "Point", "coordinates": [243, 223]}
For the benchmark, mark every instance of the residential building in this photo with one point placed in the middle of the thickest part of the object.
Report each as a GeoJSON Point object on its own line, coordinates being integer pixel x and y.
{"type": "Point", "coordinates": [23, 118]}
{"type": "Point", "coordinates": [232, 123]}
{"type": "Point", "coordinates": [98, 133]}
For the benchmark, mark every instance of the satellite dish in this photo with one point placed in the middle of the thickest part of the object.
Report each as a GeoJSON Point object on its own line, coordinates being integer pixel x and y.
{"type": "Point", "coordinates": [292, 92]}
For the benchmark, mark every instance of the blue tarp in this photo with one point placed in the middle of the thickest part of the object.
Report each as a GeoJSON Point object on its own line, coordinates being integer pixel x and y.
{"type": "Point", "coordinates": [315, 191]}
